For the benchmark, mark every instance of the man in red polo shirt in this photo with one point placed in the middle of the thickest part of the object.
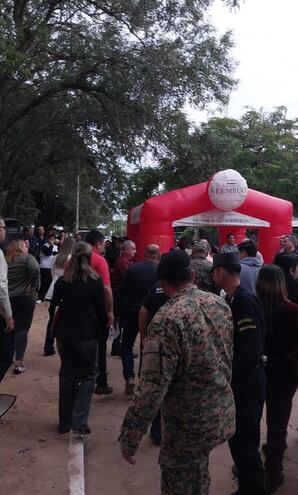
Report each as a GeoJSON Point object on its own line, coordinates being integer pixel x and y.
{"type": "Point", "coordinates": [99, 264]}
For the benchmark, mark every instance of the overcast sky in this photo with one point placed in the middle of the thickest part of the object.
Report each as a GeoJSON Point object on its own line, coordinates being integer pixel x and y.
{"type": "Point", "coordinates": [265, 34]}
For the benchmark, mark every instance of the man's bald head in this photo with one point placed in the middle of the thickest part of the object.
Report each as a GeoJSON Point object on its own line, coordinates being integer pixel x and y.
{"type": "Point", "coordinates": [152, 252]}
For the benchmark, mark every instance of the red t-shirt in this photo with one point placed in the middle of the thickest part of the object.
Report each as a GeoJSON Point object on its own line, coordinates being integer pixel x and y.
{"type": "Point", "coordinates": [101, 267]}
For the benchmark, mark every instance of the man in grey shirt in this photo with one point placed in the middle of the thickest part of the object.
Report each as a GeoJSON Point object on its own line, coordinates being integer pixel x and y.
{"type": "Point", "coordinates": [250, 265]}
{"type": "Point", "coordinates": [6, 319]}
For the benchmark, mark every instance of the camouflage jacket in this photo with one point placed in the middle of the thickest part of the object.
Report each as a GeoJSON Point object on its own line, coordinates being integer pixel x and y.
{"type": "Point", "coordinates": [186, 372]}
{"type": "Point", "coordinates": [203, 276]}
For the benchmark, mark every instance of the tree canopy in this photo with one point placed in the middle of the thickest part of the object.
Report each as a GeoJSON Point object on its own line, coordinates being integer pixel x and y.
{"type": "Point", "coordinates": [262, 146]}
{"type": "Point", "coordinates": [96, 83]}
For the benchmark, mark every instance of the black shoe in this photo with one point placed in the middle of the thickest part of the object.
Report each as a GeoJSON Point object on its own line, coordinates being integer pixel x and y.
{"type": "Point", "coordinates": [156, 439]}
{"type": "Point", "coordinates": [235, 471]}
{"type": "Point", "coordinates": [273, 482]}
{"type": "Point", "coordinates": [63, 429]}
{"type": "Point", "coordinates": [81, 430]}
{"type": "Point", "coordinates": [49, 353]}
{"type": "Point", "coordinates": [106, 390]}
{"type": "Point", "coordinates": [116, 353]}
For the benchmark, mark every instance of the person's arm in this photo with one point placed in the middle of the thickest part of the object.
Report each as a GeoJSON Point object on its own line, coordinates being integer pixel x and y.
{"type": "Point", "coordinates": [248, 339]}
{"type": "Point", "coordinates": [143, 322]}
{"type": "Point", "coordinates": [5, 308]}
{"type": "Point", "coordinates": [101, 304]}
{"type": "Point", "coordinates": [124, 287]}
{"type": "Point", "coordinates": [109, 304]}
{"type": "Point", "coordinates": [160, 360]}
{"type": "Point", "coordinates": [56, 298]}
{"type": "Point", "coordinates": [33, 271]}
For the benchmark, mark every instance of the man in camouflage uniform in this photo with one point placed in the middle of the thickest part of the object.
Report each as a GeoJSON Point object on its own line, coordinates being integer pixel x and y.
{"type": "Point", "coordinates": [201, 266]}
{"type": "Point", "coordinates": [186, 371]}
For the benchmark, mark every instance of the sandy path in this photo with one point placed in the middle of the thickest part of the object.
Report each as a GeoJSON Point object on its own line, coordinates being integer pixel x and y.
{"type": "Point", "coordinates": [34, 457]}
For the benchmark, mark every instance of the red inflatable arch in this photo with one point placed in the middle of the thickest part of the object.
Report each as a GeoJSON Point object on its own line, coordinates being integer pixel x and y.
{"type": "Point", "coordinates": [152, 222]}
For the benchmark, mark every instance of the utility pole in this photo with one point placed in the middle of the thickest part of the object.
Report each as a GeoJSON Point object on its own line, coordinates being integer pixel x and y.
{"type": "Point", "coordinates": [77, 224]}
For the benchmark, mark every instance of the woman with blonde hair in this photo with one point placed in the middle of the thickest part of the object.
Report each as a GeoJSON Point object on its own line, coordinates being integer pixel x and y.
{"type": "Point", "coordinates": [23, 282]}
{"type": "Point", "coordinates": [282, 366]}
{"type": "Point", "coordinates": [79, 325]}
{"type": "Point", "coordinates": [60, 263]}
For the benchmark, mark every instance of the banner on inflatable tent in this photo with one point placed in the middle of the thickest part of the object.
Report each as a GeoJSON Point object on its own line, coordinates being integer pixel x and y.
{"type": "Point", "coordinates": [217, 218]}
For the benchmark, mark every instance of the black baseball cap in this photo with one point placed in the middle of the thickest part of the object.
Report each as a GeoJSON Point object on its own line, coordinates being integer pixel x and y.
{"type": "Point", "coordinates": [226, 259]}
{"type": "Point", "coordinates": [174, 266]}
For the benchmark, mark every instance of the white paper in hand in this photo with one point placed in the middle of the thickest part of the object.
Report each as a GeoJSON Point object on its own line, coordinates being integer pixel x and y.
{"type": "Point", "coordinates": [114, 331]}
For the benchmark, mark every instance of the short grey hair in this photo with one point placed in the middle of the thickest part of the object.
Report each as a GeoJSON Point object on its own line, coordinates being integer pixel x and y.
{"type": "Point", "coordinates": [127, 244]}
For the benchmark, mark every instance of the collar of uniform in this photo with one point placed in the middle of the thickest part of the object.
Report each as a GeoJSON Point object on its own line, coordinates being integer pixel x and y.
{"type": "Point", "coordinates": [185, 290]}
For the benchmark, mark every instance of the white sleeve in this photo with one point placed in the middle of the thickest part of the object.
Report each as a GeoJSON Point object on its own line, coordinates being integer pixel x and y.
{"type": "Point", "coordinates": [5, 308]}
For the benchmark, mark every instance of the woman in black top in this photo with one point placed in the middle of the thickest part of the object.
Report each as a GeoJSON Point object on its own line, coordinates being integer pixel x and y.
{"type": "Point", "coordinates": [288, 262]}
{"type": "Point", "coordinates": [78, 326]}
{"type": "Point", "coordinates": [282, 366]}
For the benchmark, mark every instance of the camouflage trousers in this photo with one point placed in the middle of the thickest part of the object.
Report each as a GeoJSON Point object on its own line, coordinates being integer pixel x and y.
{"type": "Point", "coordinates": [189, 480]}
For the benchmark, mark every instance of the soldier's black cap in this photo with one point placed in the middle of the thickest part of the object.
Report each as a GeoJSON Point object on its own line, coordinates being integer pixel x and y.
{"type": "Point", "coordinates": [174, 266]}
{"type": "Point", "coordinates": [226, 259]}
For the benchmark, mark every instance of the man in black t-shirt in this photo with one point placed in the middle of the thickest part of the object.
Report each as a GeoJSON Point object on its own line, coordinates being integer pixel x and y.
{"type": "Point", "coordinates": [137, 282]}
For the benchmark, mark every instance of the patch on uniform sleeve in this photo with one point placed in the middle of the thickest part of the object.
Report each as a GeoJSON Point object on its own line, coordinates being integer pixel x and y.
{"type": "Point", "coordinates": [246, 324]}
{"type": "Point", "coordinates": [151, 356]}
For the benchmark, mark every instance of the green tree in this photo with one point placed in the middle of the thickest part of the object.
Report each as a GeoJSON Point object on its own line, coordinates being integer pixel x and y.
{"type": "Point", "coordinates": [263, 147]}
{"type": "Point", "coordinates": [95, 83]}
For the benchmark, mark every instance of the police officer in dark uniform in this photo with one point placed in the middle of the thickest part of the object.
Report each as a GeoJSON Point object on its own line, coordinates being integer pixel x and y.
{"type": "Point", "coordinates": [248, 376]}
{"type": "Point", "coordinates": [152, 303]}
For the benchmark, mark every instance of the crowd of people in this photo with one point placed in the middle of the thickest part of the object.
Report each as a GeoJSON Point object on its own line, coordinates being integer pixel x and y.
{"type": "Point", "coordinates": [218, 334]}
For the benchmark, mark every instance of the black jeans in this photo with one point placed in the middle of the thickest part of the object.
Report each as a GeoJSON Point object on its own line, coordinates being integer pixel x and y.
{"type": "Point", "coordinates": [45, 282]}
{"type": "Point", "coordinates": [101, 379]}
{"type": "Point", "coordinates": [245, 443]}
{"type": "Point", "coordinates": [77, 377]}
{"type": "Point", "coordinates": [6, 348]}
{"type": "Point", "coordinates": [22, 311]}
{"type": "Point", "coordinates": [279, 405]}
{"type": "Point", "coordinates": [129, 335]}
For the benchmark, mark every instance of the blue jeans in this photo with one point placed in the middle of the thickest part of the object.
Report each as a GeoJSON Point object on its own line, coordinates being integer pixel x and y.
{"type": "Point", "coordinates": [77, 377]}
{"type": "Point", "coordinates": [129, 335]}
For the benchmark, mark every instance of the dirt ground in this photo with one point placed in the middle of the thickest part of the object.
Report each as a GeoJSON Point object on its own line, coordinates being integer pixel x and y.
{"type": "Point", "coordinates": [34, 456]}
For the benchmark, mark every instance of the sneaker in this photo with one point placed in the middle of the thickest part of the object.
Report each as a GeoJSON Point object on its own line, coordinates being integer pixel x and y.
{"type": "Point", "coordinates": [81, 430]}
{"type": "Point", "coordinates": [19, 368]}
{"type": "Point", "coordinates": [106, 390]}
{"type": "Point", "coordinates": [129, 386]}
{"type": "Point", "coordinates": [38, 301]}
